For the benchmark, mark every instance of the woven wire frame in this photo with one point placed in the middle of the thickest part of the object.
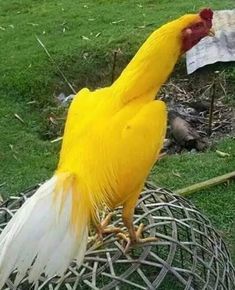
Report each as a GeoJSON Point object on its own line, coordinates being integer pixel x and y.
{"type": "Point", "coordinates": [189, 253]}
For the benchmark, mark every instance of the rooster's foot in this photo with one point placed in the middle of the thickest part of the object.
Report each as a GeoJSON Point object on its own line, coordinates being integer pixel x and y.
{"type": "Point", "coordinates": [135, 239]}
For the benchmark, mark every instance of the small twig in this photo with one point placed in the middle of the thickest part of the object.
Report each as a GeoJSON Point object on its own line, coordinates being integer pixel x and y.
{"type": "Point", "coordinates": [222, 75]}
{"type": "Point", "coordinates": [114, 65]}
{"type": "Point", "coordinates": [55, 64]}
{"type": "Point", "coordinates": [177, 88]}
{"type": "Point", "coordinates": [223, 89]}
{"type": "Point", "coordinates": [218, 127]}
{"type": "Point", "coordinates": [211, 108]}
{"type": "Point", "coordinates": [160, 156]}
{"type": "Point", "coordinates": [206, 89]}
{"type": "Point", "coordinates": [205, 184]}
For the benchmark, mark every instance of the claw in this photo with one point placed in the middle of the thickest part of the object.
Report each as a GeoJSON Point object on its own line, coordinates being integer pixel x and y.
{"type": "Point", "coordinates": [127, 240]}
{"type": "Point", "coordinates": [137, 239]}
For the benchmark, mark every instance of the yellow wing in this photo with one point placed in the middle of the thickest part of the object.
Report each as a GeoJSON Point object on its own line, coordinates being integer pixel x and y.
{"type": "Point", "coordinates": [137, 148]}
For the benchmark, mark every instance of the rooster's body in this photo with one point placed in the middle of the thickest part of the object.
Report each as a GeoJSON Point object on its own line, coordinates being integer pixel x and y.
{"type": "Point", "coordinates": [118, 138]}
{"type": "Point", "coordinates": [111, 140]}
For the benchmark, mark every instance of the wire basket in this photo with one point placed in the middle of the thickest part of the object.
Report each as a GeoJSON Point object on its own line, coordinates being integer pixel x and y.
{"type": "Point", "coordinates": [189, 253]}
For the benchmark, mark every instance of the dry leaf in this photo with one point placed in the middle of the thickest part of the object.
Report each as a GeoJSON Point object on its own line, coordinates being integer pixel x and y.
{"type": "Point", "coordinates": [19, 118]}
{"type": "Point", "coordinates": [16, 158]}
{"type": "Point", "coordinates": [12, 149]}
{"type": "Point", "coordinates": [176, 173]}
{"type": "Point", "coordinates": [33, 24]}
{"type": "Point", "coordinates": [85, 55]}
{"type": "Point", "coordinates": [56, 140]}
{"type": "Point", "coordinates": [52, 120]}
{"type": "Point", "coordinates": [31, 102]}
{"type": "Point", "coordinates": [2, 28]}
{"type": "Point", "coordinates": [85, 38]}
{"type": "Point", "coordinates": [161, 155]}
{"type": "Point", "coordinates": [222, 154]}
{"type": "Point", "coordinates": [118, 21]}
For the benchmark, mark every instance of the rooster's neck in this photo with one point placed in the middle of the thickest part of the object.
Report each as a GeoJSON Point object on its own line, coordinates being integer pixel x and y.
{"type": "Point", "coordinates": [150, 67]}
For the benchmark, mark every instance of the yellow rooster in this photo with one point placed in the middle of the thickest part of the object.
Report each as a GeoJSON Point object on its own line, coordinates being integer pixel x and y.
{"type": "Point", "coordinates": [111, 140]}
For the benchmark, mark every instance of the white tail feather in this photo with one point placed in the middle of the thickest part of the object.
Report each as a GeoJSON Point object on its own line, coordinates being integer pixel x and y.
{"type": "Point", "coordinates": [40, 237]}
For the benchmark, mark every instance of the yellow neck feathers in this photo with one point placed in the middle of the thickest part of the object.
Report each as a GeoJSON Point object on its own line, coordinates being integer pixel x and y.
{"type": "Point", "coordinates": [153, 63]}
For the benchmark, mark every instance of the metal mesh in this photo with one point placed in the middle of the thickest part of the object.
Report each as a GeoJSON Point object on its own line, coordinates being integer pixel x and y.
{"type": "Point", "coordinates": [189, 253]}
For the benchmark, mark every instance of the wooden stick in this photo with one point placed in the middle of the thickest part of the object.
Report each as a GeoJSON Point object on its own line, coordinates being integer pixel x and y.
{"type": "Point", "coordinates": [205, 184]}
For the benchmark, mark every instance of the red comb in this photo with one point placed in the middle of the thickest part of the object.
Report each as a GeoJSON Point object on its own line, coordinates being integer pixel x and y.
{"type": "Point", "coordinates": [206, 14]}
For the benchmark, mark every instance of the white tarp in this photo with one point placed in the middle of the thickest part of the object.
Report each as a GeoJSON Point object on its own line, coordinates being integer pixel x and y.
{"type": "Point", "coordinates": [220, 48]}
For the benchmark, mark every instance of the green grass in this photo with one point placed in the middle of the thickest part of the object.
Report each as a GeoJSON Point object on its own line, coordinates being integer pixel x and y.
{"type": "Point", "coordinates": [24, 158]}
{"type": "Point", "coordinates": [25, 70]}
{"type": "Point", "coordinates": [27, 74]}
{"type": "Point", "coordinates": [218, 202]}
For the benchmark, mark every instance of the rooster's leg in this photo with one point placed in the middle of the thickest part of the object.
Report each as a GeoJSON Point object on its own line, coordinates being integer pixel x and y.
{"type": "Point", "coordinates": [134, 236]}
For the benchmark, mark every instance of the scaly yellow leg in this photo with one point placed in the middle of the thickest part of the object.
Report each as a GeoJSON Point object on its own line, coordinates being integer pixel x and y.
{"type": "Point", "coordinates": [103, 227]}
{"type": "Point", "coordinates": [134, 236]}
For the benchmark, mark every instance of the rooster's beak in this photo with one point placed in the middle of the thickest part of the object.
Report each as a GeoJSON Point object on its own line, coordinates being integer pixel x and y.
{"type": "Point", "coordinates": [211, 32]}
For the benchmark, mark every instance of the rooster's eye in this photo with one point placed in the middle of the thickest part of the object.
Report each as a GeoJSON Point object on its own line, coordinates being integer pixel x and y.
{"type": "Point", "coordinates": [198, 25]}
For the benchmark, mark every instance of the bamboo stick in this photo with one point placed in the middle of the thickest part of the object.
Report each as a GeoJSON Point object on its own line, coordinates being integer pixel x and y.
{"type": "Point", "coordinates": [198, 186]}
{"type": "Point", "coordinates": [205, 184]}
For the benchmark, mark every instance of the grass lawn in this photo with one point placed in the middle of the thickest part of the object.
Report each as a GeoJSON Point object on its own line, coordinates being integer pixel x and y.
{"type": "Point", "coordinates": [81, 36]}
